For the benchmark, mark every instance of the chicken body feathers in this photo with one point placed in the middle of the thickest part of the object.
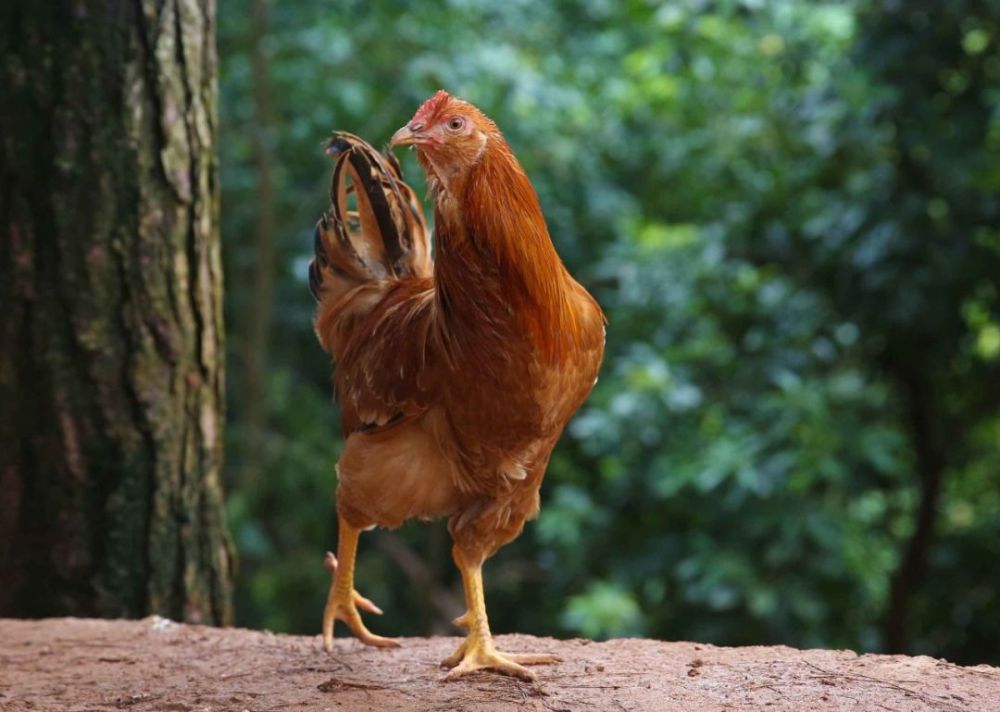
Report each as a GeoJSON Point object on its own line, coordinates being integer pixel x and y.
{"type": "Point", "coordinates": [450, 407]}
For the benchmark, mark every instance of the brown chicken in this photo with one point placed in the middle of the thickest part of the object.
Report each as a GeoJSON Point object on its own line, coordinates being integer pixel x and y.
{"type": "Point", "coordinates": [455, 376]}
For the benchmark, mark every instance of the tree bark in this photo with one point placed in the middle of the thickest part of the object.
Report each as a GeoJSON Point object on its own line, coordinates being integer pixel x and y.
{"type": "Point", "coordinates": [111, 371]}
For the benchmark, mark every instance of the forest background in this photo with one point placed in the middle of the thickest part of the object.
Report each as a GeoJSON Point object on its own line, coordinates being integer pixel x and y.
{"type": "Point", "coordinates": [789, 211]}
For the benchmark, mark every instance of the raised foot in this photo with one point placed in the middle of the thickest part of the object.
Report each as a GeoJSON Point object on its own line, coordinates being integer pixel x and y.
{"type": "Point", "coordinates": [469, 658]}
{"type": "Point", "coordinates": [343, 606]}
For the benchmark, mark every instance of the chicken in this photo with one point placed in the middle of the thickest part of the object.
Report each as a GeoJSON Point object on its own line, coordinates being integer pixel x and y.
{"type": "Point", "coordinates": [455, 376]}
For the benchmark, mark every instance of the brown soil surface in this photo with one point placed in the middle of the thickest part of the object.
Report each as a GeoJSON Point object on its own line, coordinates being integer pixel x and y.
{"type": "Point", "coordinates": [153, 664]}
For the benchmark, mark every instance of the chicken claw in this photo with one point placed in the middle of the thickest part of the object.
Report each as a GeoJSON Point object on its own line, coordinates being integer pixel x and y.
{"type": "Point", "coordinates": [342, 604]}
{"type": "Point", "coordinates": [481, 655]}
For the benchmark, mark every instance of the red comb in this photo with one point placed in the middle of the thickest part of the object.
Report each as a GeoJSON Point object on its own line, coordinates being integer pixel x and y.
{"type": "Point", "coordinates": [431, 107]}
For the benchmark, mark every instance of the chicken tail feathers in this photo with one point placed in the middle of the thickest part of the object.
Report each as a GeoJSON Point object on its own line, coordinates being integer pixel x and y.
{"type": "Point", "coordinates": [374, 229]}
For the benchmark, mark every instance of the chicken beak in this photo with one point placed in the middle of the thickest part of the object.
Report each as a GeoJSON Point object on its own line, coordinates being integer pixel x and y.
{"type": "Point", "coordinates": [406, 136]}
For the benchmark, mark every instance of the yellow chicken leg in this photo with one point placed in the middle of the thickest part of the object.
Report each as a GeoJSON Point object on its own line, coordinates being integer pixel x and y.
{"type": "Point", "coordinates": [477, 651]}
{"type": "Point", "coordinates": [343, 602]}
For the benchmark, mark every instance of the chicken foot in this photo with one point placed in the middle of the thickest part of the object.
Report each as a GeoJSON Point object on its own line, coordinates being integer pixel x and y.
{"type": "Point", "coordinates": [477, 651]}
{"type": "Point", "coordinates": [343, 601]}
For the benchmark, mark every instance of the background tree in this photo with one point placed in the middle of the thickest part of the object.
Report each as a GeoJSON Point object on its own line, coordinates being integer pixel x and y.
{"type": "Point", "coordinates": [111, 375]}
{"type": "Point", "coordinates": [932, 231]}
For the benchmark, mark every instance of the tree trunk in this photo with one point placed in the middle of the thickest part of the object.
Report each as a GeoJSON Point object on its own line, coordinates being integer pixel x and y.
{"type": "Point", "coordinates": [931, 464]}
{"type": "Point", "coordinates": [111, 377]}
{"type": "Point", "coordinates": [257, 322]}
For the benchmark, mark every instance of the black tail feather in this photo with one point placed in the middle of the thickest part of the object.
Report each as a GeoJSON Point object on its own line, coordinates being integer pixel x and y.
{"type": "Point", "coordinates": [384, 237]}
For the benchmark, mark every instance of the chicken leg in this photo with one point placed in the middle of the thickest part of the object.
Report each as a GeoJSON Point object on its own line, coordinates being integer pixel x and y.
{"type": "Point", "coordinates": [477, 651]}
{"type": "Point", "coordinates": [343, 602]}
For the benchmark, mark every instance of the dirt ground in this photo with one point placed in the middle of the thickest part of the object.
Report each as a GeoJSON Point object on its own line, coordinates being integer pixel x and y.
{"type": "Point", "coordinates": [153, 664]}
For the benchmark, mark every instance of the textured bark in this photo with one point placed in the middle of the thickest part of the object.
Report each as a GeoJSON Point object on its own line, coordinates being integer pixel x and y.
{"type": "Point", "coordinates": [111, 380]}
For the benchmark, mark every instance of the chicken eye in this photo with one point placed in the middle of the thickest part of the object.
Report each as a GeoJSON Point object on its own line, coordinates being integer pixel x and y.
{"type": "Point", "coordinates": [456, 123]}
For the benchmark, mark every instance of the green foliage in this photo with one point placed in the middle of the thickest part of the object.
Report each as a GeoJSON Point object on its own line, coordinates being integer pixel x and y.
{"type": "Point", "coordinates": [788, 210]}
